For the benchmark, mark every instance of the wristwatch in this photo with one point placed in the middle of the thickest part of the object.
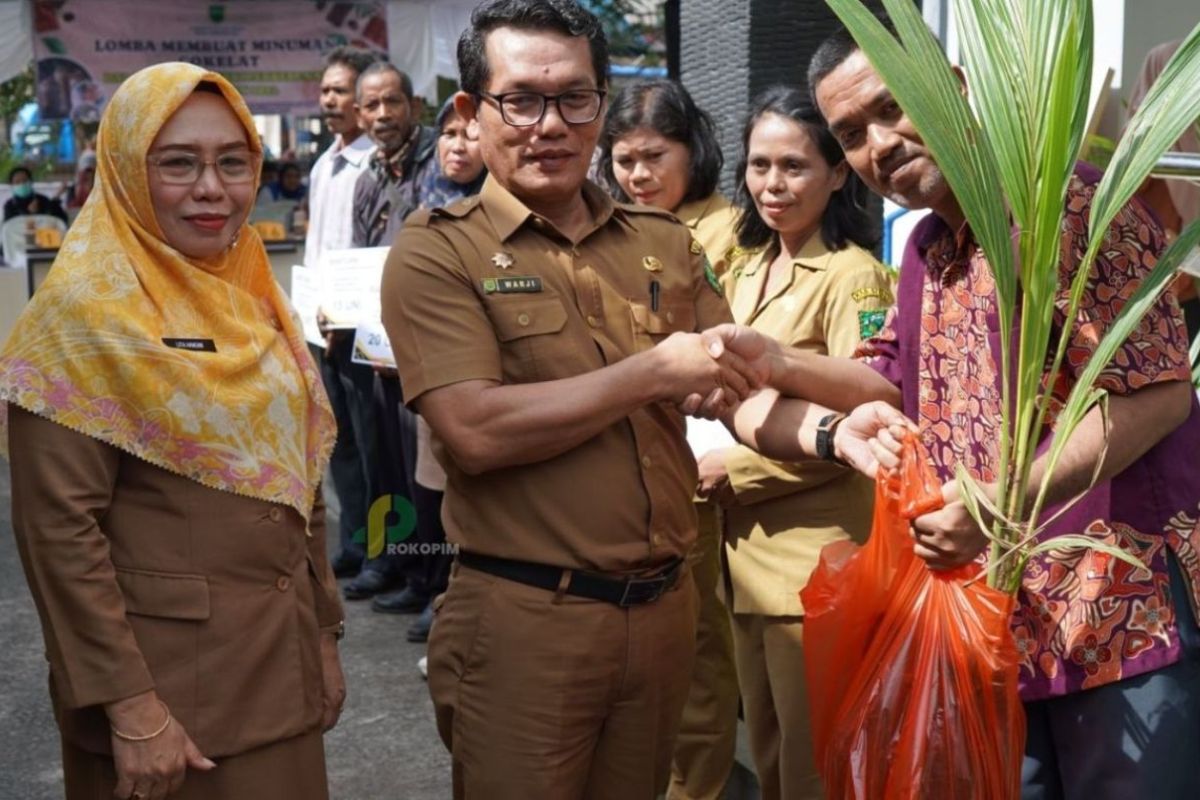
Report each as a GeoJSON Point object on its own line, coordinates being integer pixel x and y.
{"type": "Point", "coordinates": [339, 633]}
{"type": "Point", "coordinates": [825, 431]}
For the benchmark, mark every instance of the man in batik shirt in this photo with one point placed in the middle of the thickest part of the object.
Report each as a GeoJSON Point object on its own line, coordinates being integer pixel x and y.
{"type": "Point", "coordinates": [1110, 670]}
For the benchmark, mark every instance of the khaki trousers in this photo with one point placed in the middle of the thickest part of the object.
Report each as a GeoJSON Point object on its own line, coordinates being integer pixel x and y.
{"type": "Point", "coordinates": [293, 769]}
{"type": "Point", "coordinates": [546, 699]}
{"type": "Point", "coordinates": [704, 749]}
{"type": "Point", "coordinates": [770, 665]}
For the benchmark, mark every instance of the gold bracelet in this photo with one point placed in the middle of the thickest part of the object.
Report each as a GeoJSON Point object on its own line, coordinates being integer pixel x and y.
{"type": "Point", "coordinates": [148, 736]}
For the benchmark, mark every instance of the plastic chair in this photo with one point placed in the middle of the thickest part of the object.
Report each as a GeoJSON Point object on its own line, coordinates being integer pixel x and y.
{"type": "Point", "coordinates": [270, 230]}
{"type": "Point", "coordinates": [277, 211]}
{"type": "Point", "coordinates": [47, 230]}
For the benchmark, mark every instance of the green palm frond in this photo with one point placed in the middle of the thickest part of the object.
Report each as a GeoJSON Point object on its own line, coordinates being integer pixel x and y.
{"type": "Point", "coordinates": [1009, 156]}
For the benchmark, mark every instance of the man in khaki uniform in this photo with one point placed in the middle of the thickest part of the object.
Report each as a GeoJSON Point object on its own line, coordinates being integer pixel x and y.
{"type": "Point", "coordinates": [546, 334]}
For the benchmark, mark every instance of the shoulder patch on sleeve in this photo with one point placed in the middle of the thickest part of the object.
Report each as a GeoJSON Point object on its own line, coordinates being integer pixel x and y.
{"type": "Point", "coordinates": [870, 322]}
{"type": "Point", "coordinates": [872, 292]}
{"type": "Point", "coordinates": [710, 276]}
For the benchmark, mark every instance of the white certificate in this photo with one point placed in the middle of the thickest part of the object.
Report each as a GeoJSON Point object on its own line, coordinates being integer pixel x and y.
{"type": "Point", "coordinates": [350, 285]}
{"type": "Point", "coordinates": [707, 434]}
{"type": "Point", "coordinates": [306, 298]}
{"type": "Point", "coordinates": [372, 347]}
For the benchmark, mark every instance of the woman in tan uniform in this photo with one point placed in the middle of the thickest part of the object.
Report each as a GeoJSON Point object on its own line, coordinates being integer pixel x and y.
{"type": "Point", "coordinates": [810, 283]}
{"type": "Point", "coordinates": [658, 149]}
{"type": "Point", "coordinates": [167, 432]}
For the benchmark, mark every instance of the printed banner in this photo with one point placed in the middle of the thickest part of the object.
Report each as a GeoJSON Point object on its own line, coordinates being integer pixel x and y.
{"type": "Point", "coordinates": [270, 49]}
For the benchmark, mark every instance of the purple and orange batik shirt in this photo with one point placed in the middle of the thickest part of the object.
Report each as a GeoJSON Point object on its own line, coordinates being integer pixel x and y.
{"type": "Point", "coordinates": [1084, 618]}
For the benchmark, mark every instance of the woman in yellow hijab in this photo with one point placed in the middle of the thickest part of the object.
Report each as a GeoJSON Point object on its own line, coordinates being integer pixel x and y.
{"type": "Point", "coordinates": [167, 432]}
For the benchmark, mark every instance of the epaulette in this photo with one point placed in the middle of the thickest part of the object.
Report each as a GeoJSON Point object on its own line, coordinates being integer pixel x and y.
{"type": "Point", "coordinates": [634, 208]}
{"type": "Point", "coordinates": [456, 210]}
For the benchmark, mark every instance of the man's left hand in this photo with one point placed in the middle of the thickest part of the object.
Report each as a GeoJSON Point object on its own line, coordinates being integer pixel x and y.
{"type": "Point", "coordinates": [856, 439]}
{"type": "Point", "coordinates": [949, 537]}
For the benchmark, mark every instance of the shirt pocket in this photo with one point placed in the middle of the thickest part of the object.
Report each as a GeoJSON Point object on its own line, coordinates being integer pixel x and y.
{"type": "Point", "coordinates": [650, 327]}
{"type": "Point", "coordinates": [529, 329]}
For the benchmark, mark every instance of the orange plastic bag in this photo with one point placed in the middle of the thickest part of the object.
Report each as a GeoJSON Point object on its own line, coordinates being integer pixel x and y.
{"type": "Point", "coordinates": [911, 673]}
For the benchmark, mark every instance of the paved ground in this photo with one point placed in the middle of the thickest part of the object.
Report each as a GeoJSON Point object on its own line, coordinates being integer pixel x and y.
{"type": "Point", "coordinates": [384, 748]}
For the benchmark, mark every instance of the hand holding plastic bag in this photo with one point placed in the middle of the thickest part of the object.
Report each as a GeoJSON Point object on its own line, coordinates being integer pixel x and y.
{"type": "Point", "coordinates": [912, 674]}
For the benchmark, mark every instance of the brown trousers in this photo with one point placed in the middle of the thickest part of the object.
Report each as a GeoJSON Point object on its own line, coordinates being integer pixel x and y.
{"type": "Point", "coordinates": [707, 740]}
{"type": "Point", "coordinates": [538, 697]}
{"type": "Point", "coordinates": [770, 665]}
{"type": "Point", "coordinates": [293, 769]}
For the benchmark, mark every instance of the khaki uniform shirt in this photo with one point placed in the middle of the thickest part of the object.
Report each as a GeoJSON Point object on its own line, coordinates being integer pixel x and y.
{"type": "Point", "coordinates": [713, 221]}
{"type": "Point", "coordinates": [486, 290]}
{"type": "Point", "coordinates": [784, 513]}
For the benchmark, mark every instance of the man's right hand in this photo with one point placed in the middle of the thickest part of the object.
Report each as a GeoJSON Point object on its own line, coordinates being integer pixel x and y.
{"type": "Point", "coordinates": [687, 365]}
{"type": "Point", "coordinates": [155, 768]}
{"type": "Point", "coordinates": [756, 349]}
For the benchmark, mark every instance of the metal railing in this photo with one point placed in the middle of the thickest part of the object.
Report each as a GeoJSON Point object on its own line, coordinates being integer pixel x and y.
{"type": "Point", "coordinates": [1178, 166]}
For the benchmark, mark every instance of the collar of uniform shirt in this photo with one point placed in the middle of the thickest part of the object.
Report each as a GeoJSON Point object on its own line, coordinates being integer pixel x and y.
{"type": "Point", "coordinates": [507, 213]}
{"type": "Point", "coordinates": [393, 166]}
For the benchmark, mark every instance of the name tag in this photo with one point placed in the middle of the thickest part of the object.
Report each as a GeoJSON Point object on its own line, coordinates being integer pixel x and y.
{"type": "Point", "coordinates": [199, 345]}
{"type": "Point", "coordinates": [514, 285]}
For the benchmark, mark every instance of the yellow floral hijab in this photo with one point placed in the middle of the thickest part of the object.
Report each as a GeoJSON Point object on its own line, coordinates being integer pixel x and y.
{"type": "Point", "coordinates": [88, 352]}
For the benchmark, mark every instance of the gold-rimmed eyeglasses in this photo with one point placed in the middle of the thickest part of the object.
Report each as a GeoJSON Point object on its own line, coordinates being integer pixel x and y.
{"type": "Point", "coordinates": [181, 168]}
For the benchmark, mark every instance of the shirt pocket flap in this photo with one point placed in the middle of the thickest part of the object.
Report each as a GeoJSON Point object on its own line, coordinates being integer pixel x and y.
{"type": "Point", "coordinates": [670, 318]}
{"type": "Point", "coordinates": [172, 595]}
{"type": "Point", "coordinates": [527, 316]}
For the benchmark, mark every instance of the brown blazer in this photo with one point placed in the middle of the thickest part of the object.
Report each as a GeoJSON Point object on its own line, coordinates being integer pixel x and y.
{"type": "Point", "coordinates": [145, 579]}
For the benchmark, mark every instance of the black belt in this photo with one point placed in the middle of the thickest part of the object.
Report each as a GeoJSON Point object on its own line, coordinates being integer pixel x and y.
{"type": "Point", "coordinates": [620, 591]}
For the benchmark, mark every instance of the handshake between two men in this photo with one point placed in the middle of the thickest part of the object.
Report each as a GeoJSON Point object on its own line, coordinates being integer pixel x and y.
{"type": "Point", "coordinates": [787, 404]}
{"type": "Point", "coordinates": [773, 398]}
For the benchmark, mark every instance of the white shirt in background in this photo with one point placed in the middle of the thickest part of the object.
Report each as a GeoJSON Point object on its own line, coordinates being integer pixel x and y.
{"type": "Point", "coordinates": [331, 196]}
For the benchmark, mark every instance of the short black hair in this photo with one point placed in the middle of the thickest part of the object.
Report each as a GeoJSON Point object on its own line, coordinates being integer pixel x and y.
{"type": "Point", "coordinates": [381, 67]}
{"type": "Point", "coordinates": [666, 108]}
{"type": "Point", "coordinates": [354, 58]}
{"type": "Point", "coordinates": [561, 16]}
{"type": "Point", "coordinates": [17, 170]}
{"type": "Point", "coordinates": [837, 47]}
{"type": "Point", "coordinates": [845, 219]}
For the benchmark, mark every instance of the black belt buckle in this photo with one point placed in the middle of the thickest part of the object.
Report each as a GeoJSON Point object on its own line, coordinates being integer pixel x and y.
{"type": "Point", "coordinates": [646, 590]}
{"type": "Point", "coordinates": [643, 590]}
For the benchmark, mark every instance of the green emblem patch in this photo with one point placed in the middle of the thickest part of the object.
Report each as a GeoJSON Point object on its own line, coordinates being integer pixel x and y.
{"type": "Point", "coordinates": [711, 276]}
{"type": "Point", "coordinates": [870, 322]}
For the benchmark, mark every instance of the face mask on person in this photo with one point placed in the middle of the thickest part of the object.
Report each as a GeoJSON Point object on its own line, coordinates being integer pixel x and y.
{"type": "Point", "coordinates": [23, 190]}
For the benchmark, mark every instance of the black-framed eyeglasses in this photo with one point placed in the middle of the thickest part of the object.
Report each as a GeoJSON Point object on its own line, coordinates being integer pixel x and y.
{"type": "Point", "coordinates": [524, 109]}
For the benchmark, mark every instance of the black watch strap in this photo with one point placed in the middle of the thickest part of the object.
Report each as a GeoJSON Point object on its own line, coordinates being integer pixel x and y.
{"type": "Point", "coordinates": [825, 430]}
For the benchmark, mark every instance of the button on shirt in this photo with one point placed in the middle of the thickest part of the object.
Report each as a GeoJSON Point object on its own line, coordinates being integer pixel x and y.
{"type": "Point", "coordinates": [454, 311]}
{"type": "Point", "coordinates": [331, 197]}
